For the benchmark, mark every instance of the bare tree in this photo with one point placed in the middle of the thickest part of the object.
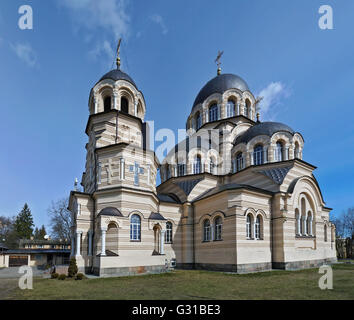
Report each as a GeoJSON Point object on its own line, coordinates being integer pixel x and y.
{"type": "Point", "coordinates": [8, 234]}
{"type": "Point", "coordinates": [60, 219]}
{"type": "Point", "coordinates": [345, 223]}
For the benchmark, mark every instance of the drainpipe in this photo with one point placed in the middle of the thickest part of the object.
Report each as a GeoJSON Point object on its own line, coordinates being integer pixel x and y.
{"type": "Point", "coordinates": [193, 233]}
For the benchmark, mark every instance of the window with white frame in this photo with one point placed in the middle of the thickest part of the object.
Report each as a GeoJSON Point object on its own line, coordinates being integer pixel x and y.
{"type": "Point", "coordinates": [198, 120]}
{"type": "Point", "coordinates": [239, 162]}
{"type": "Point", "coordinates": [213, 113]}
{"type": "Point", "coordinates": [135, 228]}
{"type": "Point", "coordinates": [230, 109]}
{"type": "Point", "coordinates": [258, 228]}
{"type": "Point", "coordinates": [197, 166]}
{"type": "Point", "coordinates": [249, 226]}
{"type": "Point", "coordinates": [218, 228]}
{"type": "Point", "coordinates": [206, 230]}
{"type": "Point", "coordinates": [278, 152]}
{"type": "Point", "coordinates": [258, 156]}
{"type": "Point", "coordinates": [168, 233]}
{"type": "Point", "coordinates": [181, 169]}
{"type": "Point", "coordinates": [309, 223]}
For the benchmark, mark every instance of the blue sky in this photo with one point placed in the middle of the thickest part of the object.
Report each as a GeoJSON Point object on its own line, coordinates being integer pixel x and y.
{"type": "Point", "coordinates": [169, 49]}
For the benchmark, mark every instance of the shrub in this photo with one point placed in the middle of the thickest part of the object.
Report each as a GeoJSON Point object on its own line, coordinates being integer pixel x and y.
{"type": "Point", "coordinates": [72, 270]}
{"type": "Point", "coordinates": [62, 277]}
{"type": "Point", "coordinates": [54, 275]}
{"type": "Point", "coordinates": [80, 276]}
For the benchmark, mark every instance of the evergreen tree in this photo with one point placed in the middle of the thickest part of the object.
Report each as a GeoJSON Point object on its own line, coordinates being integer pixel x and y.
{"type": "Point", "coordinates": [24, 223]}
{"type": "Point", "coordinates": [40, 233]}
{"type": "Point", "coordinates": [72, 270]}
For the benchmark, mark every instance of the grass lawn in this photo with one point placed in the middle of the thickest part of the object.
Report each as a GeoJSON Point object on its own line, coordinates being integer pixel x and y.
{"type": "Point", "coordinates": [198, 285]}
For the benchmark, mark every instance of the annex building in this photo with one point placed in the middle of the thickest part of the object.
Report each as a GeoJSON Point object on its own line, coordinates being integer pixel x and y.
{"type": "Point", "coordinates": [236, 194]}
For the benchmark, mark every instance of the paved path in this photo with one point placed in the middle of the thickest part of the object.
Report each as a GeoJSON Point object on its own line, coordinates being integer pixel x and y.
{"type": "Point", "coordinates": [12, 273]}
{"type": "Point", "coordinates": [9, 279]}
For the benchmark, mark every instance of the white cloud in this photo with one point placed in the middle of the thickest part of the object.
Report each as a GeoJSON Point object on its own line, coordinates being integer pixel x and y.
{"type": "Point", "coordinates": [103, 48]}
{"type": "Point", "coordinates": [25, 53]}
{"type": "Point", "coordinates": [272, 97]}
{"type": "Point", "coordinates": [100, 20]}
{"type": "Point", "coordinates": [159, 20]}
{"type": "Point", "coordinates": [109, 15]}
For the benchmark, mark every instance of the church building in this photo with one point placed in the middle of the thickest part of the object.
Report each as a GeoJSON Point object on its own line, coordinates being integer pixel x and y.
{"type": "Point", "coordinates": [236, 194]}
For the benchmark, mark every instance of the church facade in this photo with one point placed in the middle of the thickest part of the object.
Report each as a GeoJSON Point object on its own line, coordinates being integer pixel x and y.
{"type": "Point", "coordinates": [236, 194]}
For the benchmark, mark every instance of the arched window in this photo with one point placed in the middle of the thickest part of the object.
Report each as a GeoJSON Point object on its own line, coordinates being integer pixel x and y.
{"type": "Point", "coordinates": [168, 233]}
{"type": "Point", "coordinates": [181, 169]}
{"type": "Point", "coordinates": [278, 154]}
{"type": "Point", "coordinates": [303, 229]}
{"type": "Point", "coordinates": [124, 105]}
{"type": "Point", "coordinates": [213, 113]}
{"type": "Point", "coordinates": [258, 228]}
{"type": "Point", "coordinates": [297, 222]}
{"type": "Point", "coordinates": [325, 233]}
{"type": "Point", "coordinates": [198, 120]}
{"type": "Point", "coordinates": [218, 228]}
{"type": "Point", "coordinates": [230, 109]}
{"type": "Point", "coordinates": [157, 242]}
{"type": "Point", "coordinates": [249, 223]}
{"type": "Point", "coordinates": [309, 223]}
{"type": "Point", "coordinates": [247, 108]}
{"type": "Point", "coordinates": [239, 162]}
{"type": "Point", "coordinates": [206, 231]}
{"type": "Point", "coordinates": [197, 166]}
{"type": "Point", "coordinates": [112, 239]}
{"type": "Point", "coordinates": [297, 151]}
{"type": "Point", "coordinates": [135, 228]}
{"type": "Point", "coordinates": [107, 104]}
{"type": "Point", "coordinates": [258, 157]}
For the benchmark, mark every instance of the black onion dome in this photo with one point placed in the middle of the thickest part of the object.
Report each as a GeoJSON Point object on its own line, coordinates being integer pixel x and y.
{"type": "Point", "coordinates": [110, 211]}
{"type": "Point", "coordinates": [116, 75]}
{"type": "Point", "coordinates": [263, 128]}
{"type": "Point", "coordinates": [220, 84]}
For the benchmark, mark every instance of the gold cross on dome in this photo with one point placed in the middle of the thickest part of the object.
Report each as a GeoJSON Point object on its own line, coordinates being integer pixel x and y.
{"type": "Point", "coordinates": [218, 62]}
{"type": "Point", "coordinates": [118, 49]}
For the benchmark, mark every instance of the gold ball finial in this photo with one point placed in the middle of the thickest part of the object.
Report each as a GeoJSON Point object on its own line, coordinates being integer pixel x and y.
{"type": "Point", "coordinates": [258, 117]}
{"type": "Point", "coordinates": [219, 71]}
{"type": "Point", "coordinates": [118, 63]}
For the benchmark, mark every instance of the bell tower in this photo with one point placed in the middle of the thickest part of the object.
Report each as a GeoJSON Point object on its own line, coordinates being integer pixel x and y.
{"type": "Point", "coordinates": [116, 150]}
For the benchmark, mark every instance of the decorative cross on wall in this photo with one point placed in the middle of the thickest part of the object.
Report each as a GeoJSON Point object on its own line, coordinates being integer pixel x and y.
{"type": "Point", "coordinates": [137, 171]}
{"type": "Point", "coordinates": [109, 171]}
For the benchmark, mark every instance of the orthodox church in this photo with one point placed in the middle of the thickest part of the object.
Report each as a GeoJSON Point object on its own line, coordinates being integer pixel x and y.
{"type": "Point", "coordinates": [236, 194]}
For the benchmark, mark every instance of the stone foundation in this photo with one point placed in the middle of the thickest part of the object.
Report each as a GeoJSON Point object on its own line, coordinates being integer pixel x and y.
{"type": "Point", "coordinates": [128, 271]}
{"type": "Point", "coordinates": [239, 268]}
{"type": "Point", "coordinates": [296, 265]}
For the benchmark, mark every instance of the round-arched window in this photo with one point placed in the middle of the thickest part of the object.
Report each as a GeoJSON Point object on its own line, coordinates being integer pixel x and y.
{"type": "Point", "coordinates": [168, 234]}
{"type": "Point", "coordinates": [107, 104]}
{"type": "Point", "coordinates": [135, 228]}
{"type": "Point", "coordinates": [124, 105]}
{"type": "Point", "coordinates": [218, 228]}
{"type": "Point", "coordinates": [230, 109]}
{"type": "Point", "coordinates": [258, 156]}
{"type": "Point", "coordinates": [213, 113]}
{"type": "Point", "coordinates": [207, 231]}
